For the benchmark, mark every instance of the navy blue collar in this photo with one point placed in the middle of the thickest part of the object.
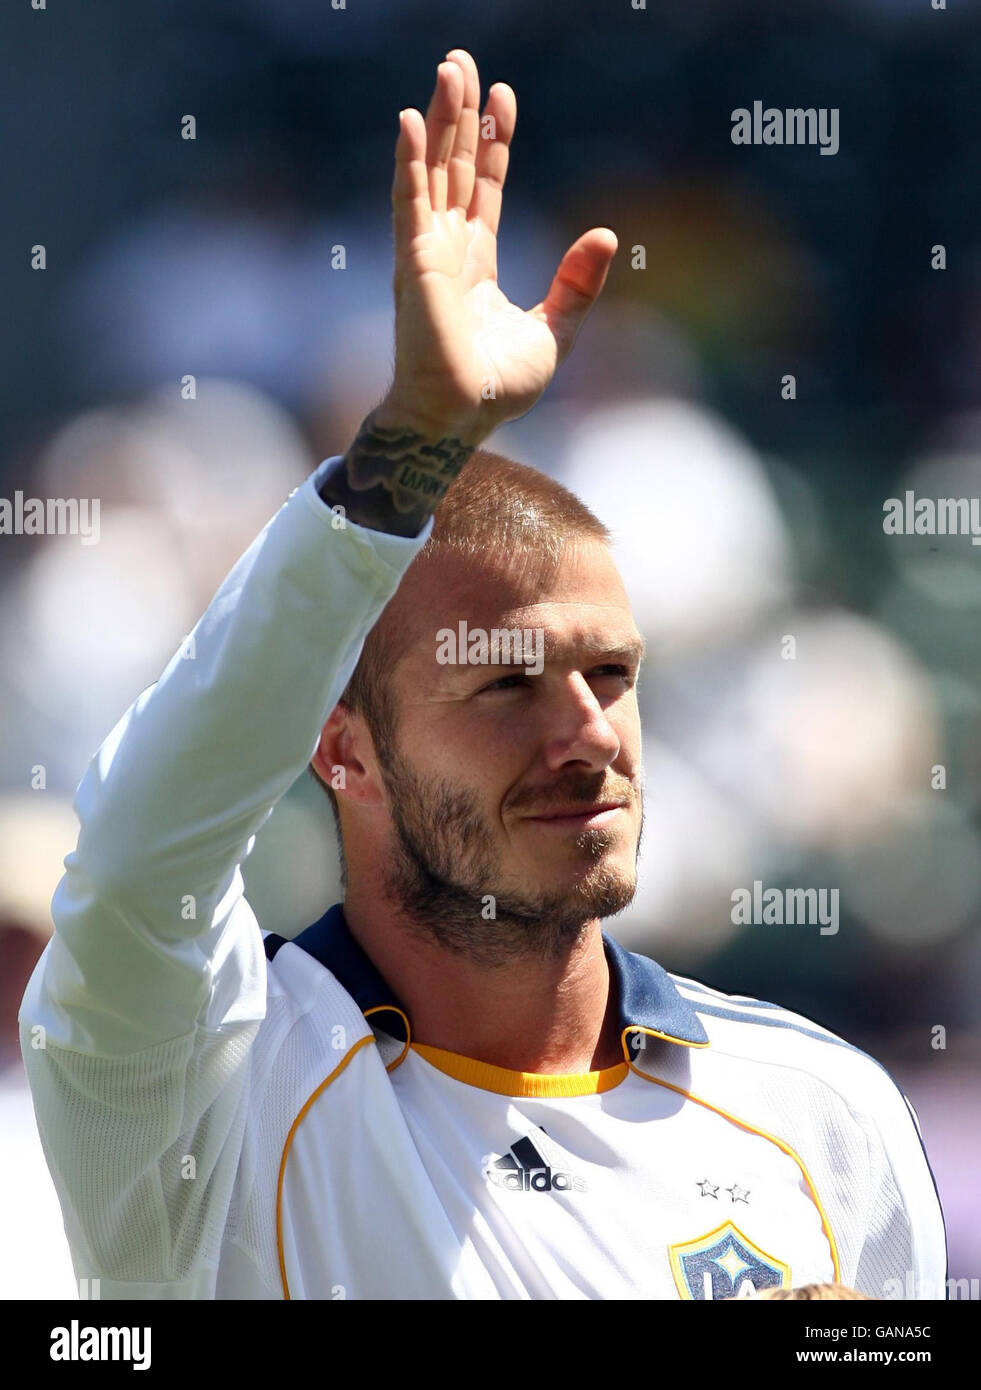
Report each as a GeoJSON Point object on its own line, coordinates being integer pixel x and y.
{"type": "Point", "coordinates": [649, 999]}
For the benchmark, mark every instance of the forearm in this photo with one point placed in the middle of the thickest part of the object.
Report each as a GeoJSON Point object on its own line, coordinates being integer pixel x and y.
{"type": "Point", "coordinates": [398, 469]}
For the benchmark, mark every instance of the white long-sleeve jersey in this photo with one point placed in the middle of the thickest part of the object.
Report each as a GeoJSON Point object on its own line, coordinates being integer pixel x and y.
{"type": "Point", "coordinates": [231, 1117]}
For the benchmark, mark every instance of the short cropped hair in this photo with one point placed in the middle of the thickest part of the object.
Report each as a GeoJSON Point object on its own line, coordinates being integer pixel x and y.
{"type": "Point", "coordinates": [496, 507]}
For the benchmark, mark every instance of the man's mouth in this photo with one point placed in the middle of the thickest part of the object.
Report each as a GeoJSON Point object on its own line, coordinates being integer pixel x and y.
{"type": "Point", "coordinates": [579, 816]}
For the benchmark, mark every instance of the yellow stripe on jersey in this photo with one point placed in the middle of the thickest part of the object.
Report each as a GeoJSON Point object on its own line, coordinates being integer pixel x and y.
{"type": "Point", "coordinates": [391, 1009]}
{"type": "Point", "coordinates": [520, 1083]}
{"type": "Point", "coordinates": [370, 1038]}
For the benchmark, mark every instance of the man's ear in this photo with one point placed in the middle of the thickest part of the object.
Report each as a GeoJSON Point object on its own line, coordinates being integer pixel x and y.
{"type": "Point", "coordinates": [344, 758]}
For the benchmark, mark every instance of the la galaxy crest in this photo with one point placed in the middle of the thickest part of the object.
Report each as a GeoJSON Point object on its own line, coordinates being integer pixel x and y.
{"type": "Point", "coordinates": [719, 1264]}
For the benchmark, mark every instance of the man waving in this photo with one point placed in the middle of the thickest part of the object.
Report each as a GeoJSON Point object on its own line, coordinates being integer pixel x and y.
{"type": "Point", "coordinates": [455, 1084]}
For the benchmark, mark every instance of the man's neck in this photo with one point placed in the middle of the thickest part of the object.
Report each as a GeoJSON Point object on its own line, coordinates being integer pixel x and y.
{"type": "Point", "coordinates": [532, 1015]}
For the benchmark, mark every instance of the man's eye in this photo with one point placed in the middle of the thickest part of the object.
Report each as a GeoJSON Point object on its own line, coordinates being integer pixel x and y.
{"type": "Point", "coordinates": [505, 682]}
{"type": "Point", "coordinates": [624, 672]}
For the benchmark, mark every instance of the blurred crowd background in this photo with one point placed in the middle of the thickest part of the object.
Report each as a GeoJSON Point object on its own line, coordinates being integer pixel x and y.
{"type": "Point", "coordinates": [741, 517]}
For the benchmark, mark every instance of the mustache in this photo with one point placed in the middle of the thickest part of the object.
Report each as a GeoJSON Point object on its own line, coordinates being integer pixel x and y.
{"type": "Point", "coordinates": [578, 788]}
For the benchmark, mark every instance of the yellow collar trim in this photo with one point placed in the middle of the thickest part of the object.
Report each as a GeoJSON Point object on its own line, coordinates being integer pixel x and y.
{"type": "Point", "coordinates": [521, 1083]}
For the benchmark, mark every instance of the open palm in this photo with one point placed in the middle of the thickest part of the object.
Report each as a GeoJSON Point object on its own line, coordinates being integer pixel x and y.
{"type": "Point", "coordinates": [464, 352]}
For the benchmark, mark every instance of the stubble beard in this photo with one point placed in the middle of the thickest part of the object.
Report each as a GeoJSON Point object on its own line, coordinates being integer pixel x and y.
{"type": "Point", "coordinates": [445, 875]}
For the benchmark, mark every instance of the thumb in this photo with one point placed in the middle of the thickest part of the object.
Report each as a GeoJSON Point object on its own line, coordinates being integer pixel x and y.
{"type": "Point", "coordinates": [580, 277]}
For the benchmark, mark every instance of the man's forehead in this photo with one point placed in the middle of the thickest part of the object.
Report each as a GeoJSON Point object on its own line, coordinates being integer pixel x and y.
{"type": "Point", "coordinates": [579, 599]}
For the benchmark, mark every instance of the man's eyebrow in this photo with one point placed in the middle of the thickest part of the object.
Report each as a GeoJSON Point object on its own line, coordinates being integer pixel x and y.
{"type": "Point", "coordinates": [631, 651]}
{"type": "Point", "coordinates": [634, 649]}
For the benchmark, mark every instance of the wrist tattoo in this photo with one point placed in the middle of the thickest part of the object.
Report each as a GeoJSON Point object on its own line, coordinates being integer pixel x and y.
{"type": "Point", "coordinates": [392, 479]}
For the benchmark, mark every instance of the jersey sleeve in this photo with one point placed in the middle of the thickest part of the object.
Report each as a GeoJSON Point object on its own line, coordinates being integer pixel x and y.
{"type": "Point", "coordinates": [904, 1254]}
{"type": "Point", "coordinates": [137, 1024]}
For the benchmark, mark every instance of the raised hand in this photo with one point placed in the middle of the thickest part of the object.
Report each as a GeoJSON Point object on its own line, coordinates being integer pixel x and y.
{"type": "Point", "coordinates": [466, 357]}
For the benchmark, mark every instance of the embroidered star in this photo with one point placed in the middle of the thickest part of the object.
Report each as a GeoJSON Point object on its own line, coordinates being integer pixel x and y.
{"type": "Point", "coordinates": [732, 1263]}
{"type": "Point", "coordinates": [708, 1189]}
{"type": "Point", "coordinates": [739, 1194]}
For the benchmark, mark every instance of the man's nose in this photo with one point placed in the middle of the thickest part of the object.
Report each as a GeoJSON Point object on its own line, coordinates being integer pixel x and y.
{"type": "Point", "coordinates": [578, 729]}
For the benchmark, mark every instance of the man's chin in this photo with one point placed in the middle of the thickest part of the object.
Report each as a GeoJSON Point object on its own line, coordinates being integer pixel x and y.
{"type": "Point", "coordinates": [574, 866]}
{"type": "Point", "coordinates": [591, 891]}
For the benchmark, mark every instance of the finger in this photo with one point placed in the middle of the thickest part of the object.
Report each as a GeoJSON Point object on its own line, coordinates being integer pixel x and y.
{"type": "Point", "coordinates": [442, 115]}
{"type": "Point", "coordinates": [491, 165]}
{"type": "Point", "coordinates": [578, 281]}
{"type": "Point", "coordinates": [410, 184]}
{"type": "Point", "coordinates": [462, 174]}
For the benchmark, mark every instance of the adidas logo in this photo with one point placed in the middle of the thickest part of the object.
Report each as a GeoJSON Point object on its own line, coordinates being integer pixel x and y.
{"type": "Point", "coordinates": [524, 1169]}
